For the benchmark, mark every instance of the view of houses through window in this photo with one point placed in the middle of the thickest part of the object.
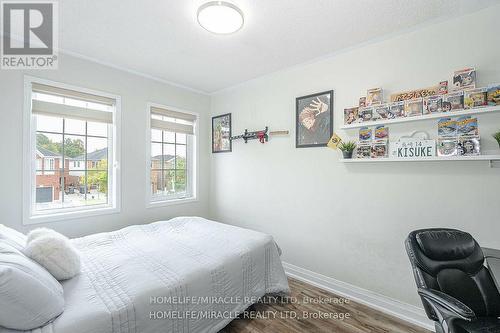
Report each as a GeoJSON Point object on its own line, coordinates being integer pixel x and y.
{"type": "Point", "coordinates": [172, 154]}
{"type": "Point", "coordinates": [71, 162]}
{"type": "Point", "coordinates": [168, 163]}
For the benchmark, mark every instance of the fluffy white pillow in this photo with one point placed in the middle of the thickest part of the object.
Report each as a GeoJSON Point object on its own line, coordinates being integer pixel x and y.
{"type": "Point", "coordinates": [35, 233]}
{"type": "Point", "coordinates": [54, 252]}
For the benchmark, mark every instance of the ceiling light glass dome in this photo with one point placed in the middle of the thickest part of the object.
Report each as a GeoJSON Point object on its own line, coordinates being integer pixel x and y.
{"type": "Point", "coordinates": [220, 17]}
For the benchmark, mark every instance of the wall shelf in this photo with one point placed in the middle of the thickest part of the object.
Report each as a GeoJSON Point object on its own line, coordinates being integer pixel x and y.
{"type": "Point", "coordinates": [490, 158]}
{"type": "Point", "coordinates": [483, 110]}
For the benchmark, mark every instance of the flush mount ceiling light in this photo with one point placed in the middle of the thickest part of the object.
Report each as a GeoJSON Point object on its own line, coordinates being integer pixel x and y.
{"type": "Point", "coordinates": [220, 17]}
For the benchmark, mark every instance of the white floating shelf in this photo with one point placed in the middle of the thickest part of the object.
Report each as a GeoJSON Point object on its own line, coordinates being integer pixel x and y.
{"type": "Point", "coordinates": [490, 158]}
{"type": "Point", "coordinates": [483, 110]}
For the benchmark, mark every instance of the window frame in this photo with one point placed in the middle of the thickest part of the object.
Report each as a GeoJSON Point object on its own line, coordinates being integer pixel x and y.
{"type": "Point", "coordinates": [29, 164]}
{"type": "Point", "coordinates": [192, 155]}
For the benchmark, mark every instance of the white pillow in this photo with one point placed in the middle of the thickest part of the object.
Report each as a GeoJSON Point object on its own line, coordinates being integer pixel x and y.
{"type": "Point", "coordinates": [54, 252]}
{"type": "Point", "coordinates": [35, 233]}
{"type": "Point", "coordinates": [30, 296]}
{"type": "Point", "coordinates": [12, 237]}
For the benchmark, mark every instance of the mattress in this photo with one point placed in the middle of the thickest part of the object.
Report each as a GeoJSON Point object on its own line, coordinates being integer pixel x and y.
{"type": "Point", "coordinates": [187, 274]}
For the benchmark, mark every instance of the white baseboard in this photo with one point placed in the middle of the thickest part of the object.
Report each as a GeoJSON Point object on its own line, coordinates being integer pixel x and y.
{"type": "Point", "coordinates": [403, 311]}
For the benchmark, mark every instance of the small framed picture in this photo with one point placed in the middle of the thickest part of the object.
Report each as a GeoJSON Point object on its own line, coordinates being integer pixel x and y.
{"type": "Point", "coordinates": [464, 79]}
{"type": "Point", "coordinates": [221, 134]}
{"type": "Point", "coordinates": [314, 120]}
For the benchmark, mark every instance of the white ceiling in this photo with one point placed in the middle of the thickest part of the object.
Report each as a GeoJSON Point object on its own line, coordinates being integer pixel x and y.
{"type": "Point", "coordinates": [161, 38]}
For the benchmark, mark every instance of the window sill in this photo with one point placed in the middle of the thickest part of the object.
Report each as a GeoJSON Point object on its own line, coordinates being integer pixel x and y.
{"type": "Point", "coordinates": [63, 216]}
{"type": "Point", "coordinates": [170, 202]}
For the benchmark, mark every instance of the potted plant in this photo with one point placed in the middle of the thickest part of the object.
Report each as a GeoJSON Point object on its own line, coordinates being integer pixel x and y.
{"type": "Point", "coordinates": [347, 148]}
{"type": "Point", "coordinates": [497, 137]}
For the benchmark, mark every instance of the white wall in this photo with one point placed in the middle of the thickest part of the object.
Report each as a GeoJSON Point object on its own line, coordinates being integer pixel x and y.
{"type": "Point", "coordinates": [345, 221]}
{"type": "Point", "coordinates": [135, 91]}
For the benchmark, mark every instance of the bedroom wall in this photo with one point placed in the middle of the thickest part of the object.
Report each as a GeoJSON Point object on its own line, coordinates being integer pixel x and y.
{"type": "Point", "coordinates": [135, 92]}
{"type": "Point", "coordinates": [349, 221]}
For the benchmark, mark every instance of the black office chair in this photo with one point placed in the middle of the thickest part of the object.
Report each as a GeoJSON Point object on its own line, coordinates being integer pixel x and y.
{"type": "Point", "coordinates": [457, 290]}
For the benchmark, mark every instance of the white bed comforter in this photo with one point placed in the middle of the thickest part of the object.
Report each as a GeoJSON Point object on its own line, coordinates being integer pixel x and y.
{"type": "Point", "coordinates": [199, 272]}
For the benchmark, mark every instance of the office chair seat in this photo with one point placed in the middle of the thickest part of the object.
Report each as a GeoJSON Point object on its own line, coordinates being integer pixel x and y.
{"type": "Point", "coordinates": [481, 325]}
{"type": "Point", "coordinates": [456, 288]}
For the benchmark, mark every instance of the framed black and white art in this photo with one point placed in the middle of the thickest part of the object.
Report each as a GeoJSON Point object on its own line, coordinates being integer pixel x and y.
{"type": "Point", "coordinates": [314, 120]}
{"type": "Point", "coordinates": [221, 134]}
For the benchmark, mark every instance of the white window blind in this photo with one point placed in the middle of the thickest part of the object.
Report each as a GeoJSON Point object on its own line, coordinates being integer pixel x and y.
{"type": "Point", "coordinates": [173, 121]}
{"type": "Point", "coordinates": [59, 102]}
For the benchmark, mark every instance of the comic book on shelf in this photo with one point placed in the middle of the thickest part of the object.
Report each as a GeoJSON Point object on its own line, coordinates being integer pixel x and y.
{"type": "Point", "coordinates": [397, 110]}
{"type": "Point", "coordinates": [476, 98]}
{"type": "Point", "coordinates": [467, 126]}
{"type": "Point", "coordinates": [447, 127]}
{"type": "Point", "coordinates": [433, 104]}
{"type": "Point", "coordinates": [447, 146]}
{"type": "Point", "coordinates": [455, 100]}
{"type": "Point", "coordinates": [351, 115]}
{"type": "Point", "coordinates": [469, 146]}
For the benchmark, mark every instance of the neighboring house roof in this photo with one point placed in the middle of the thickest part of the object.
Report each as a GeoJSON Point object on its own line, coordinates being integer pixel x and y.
{"type": "Point", "coordinates": [46, 153]}
{"type": "Point", "coordinates": [97, 155]}
{"type": "Point", "coordinates": [165, 157]}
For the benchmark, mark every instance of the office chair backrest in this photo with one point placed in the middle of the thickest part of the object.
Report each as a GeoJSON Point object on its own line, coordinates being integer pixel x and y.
{"type": "Point", "coordinates": [451, 261]}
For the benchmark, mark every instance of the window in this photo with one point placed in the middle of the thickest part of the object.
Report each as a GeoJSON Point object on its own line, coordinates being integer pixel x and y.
{"type": "Point", "coordinates": [171, 169]}
{"type": "Point", "coordinates": [72, 140]}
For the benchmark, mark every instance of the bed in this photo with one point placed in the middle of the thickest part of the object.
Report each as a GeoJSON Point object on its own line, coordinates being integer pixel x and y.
{"type": "Point", "coordinates": [187, 274]}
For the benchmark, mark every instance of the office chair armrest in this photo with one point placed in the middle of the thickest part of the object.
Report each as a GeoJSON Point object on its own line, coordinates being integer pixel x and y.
{"type": "Point", "coordinates": [452, 305]}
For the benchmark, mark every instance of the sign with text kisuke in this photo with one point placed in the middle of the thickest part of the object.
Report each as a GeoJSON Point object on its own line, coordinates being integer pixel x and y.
{"type": "Point", "coordinates": [413, 148]}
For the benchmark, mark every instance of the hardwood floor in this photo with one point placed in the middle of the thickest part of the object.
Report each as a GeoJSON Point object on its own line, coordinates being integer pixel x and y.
{"type": "Point", "coordinates": [338, 315]}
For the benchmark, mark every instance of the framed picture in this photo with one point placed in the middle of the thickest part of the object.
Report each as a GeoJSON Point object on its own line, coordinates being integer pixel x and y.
{"type": "Point", "coordinates": [221, 134]}
{"type": "Point", "coordinates": [314, 120]}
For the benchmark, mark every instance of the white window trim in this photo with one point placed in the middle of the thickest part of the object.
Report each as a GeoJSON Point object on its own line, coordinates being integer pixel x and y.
{"type": "Point", "coordinates": [29, 142]}
{"type": "Point", "coordinates": [151, 201]}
